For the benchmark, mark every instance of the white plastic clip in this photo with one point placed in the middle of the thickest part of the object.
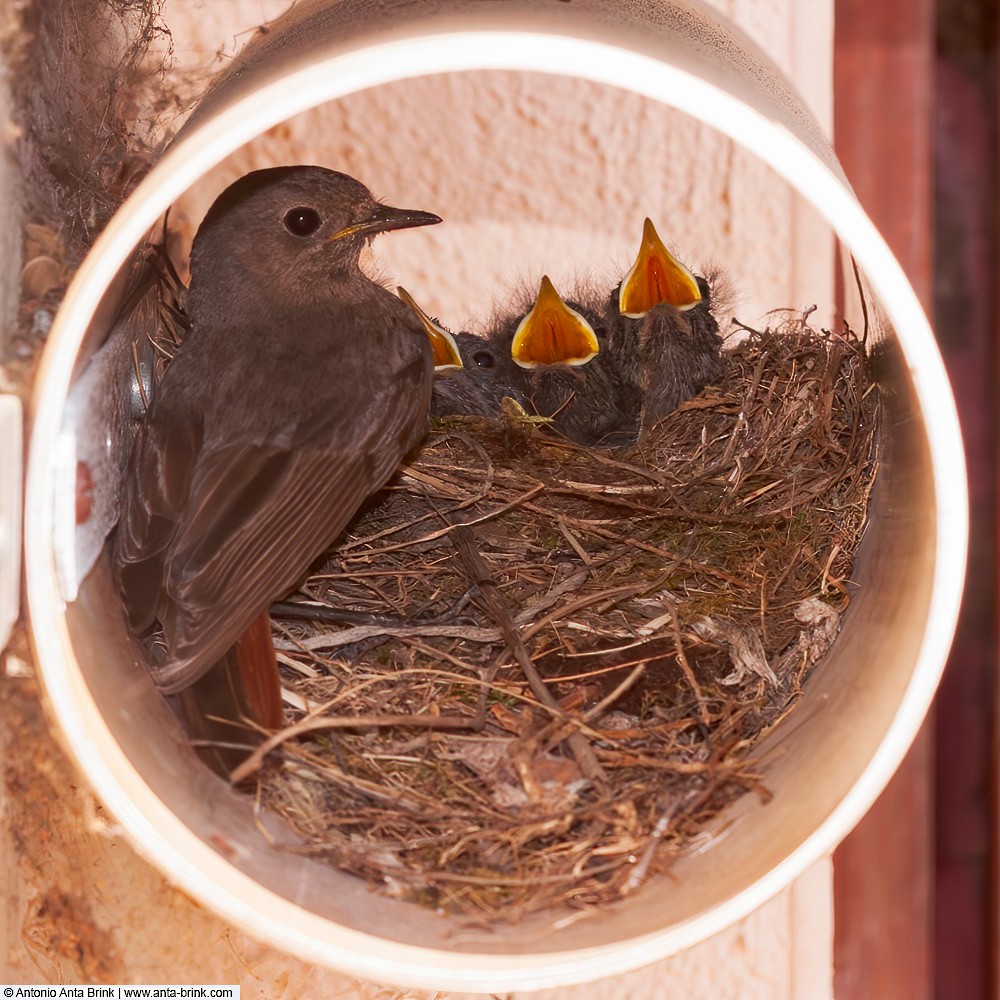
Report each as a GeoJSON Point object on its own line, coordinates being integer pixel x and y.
{"type": "Point", "coordinates": [11, 486]}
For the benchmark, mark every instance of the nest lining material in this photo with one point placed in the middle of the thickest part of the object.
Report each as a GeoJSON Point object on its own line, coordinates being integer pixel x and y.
{"type": "Point", "coordinates": [534, 674]}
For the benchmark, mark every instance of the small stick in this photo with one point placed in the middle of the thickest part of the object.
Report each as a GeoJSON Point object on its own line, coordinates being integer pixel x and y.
{"type": "Point", "coordinates": [553, 732]}
{"type": "Point", "coordinates": [684, 663]}
{"type": "Point", "coordinates": [450, 527]}
{"type": "Point", "coordinates": [302, 611]}
{"type": "Point", "coordinates": [254, 761]}
{"type": "Point", "coordinates": [610, 699]}
{"type": "Point", "coordinates": [864, 304]}
{"type": "Point", "coordinates": [475, 564]}
{"type": "Point", "coordinates": [638, 874]}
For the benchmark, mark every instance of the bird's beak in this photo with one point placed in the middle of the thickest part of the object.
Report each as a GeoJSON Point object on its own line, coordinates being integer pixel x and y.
{"type": "Point", "coordinates": [552, 333]}
{"type": "Point", "coordinates": [385, 218]}
{"type": "Point", "coordinates": [656, 276]}
{"type": "Point", "coordinates": [446, 356]}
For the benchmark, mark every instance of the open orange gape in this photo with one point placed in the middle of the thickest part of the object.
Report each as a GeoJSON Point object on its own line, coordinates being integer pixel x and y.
{"type": "Point", "coordinates": [825, 762]}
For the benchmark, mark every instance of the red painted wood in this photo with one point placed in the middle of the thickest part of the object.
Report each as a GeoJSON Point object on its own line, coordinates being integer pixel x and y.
{"type": "Point", "coordinates": [917, 887]}
{"type": "Point", "coordinates": [965, 323]}
{"type": "Point", "coordinates": [966, 269]}
{"type": "Point", "coordinates": [883, 87]}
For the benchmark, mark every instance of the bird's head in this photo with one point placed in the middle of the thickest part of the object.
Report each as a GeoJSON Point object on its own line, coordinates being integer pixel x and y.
{"type": "Point", "coordinates": [289, 230]}
{"type": "Point", "coordinates": [553, 332]}
{"type": "Point", "coordinates": [658, 278]}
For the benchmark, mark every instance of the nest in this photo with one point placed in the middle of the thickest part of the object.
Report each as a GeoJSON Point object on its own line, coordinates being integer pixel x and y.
{"type": "Point", "coordinates": [96, 98]}
{"type": "Point", "coordinates": [94, 105]}
{"type": "Point", "coordinates": [533, 674]}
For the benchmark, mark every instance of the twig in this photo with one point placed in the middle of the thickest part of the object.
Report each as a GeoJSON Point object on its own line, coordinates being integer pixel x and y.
{"type": "Point", "coordinates": [684, 663]}
{"type": "Point", "coordinates": [254, 761]}
{"type": "Point", "coordinates": [479, 572]}
{"type": "Point", "coordinates": [864, 303]}
{"type": "Point", "coordinates": [447, 530]}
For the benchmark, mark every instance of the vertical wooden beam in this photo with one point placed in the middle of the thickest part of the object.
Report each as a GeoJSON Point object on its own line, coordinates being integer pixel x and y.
{"type": "Point", "coordinates": [883, 99]}
{"type": "Point", "coordinates": [993, 869]}
{"type": "Point", "coordinates": [966, 272]}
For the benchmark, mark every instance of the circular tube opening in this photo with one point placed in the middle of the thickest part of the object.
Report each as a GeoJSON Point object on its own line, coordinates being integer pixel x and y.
{"type": "Point", "coordinates": [861, 709]}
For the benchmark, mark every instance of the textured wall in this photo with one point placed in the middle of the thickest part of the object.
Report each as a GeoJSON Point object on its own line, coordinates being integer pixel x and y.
{"type": "Point", "coordinates": [537, 173]}
{"type": "Point", "coordinates": [532, 173]}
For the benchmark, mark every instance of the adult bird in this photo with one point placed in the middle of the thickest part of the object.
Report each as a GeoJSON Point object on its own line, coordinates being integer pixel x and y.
{"type": "Point", "coordinates": [295, 395]}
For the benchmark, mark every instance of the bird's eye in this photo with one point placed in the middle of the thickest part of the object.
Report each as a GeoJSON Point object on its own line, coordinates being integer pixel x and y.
{"type": "Point", "coordinates": [302, 221]}
{"type": "Point", "coordinates": [600, 332]}
{"type": "Point", "coordinates": [484, 359]}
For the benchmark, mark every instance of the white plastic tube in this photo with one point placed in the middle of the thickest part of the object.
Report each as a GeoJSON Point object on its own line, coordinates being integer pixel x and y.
{"type": "Point", "coordinates": [861, 709]}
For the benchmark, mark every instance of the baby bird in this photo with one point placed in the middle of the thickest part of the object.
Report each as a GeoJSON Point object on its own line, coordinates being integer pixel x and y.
{"type": "Point", "coordinates": [601, 369]}
{"type": "Point", "coordinates": [667, 342]}
{"type": "Point", "coordinates": [574, 377]}
{"type": "Point", "coordinates": [472, 374]}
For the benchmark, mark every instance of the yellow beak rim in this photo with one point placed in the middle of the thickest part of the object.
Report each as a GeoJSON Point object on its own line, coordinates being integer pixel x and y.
{"type": "Point", "coordinates": [385, 218]}
{"type": "Point", "coordinates": [656, 276]}
{"type": "Point", "coordinates": [553, 333]}
{"type": "Point", "coordinates": [443, 344]}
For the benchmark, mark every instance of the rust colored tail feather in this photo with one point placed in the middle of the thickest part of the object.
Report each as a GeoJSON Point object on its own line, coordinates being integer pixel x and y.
{"type": "Point", "coordinates": [242, 690]}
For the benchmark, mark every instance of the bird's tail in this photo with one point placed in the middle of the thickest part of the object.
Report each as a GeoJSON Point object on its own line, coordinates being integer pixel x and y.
{"type": "Point", "coordinates": [241, 692]}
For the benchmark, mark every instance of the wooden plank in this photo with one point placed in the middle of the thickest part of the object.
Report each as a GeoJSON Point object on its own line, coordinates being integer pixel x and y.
{"type": "Point", "coordinates": [883, 932]}
{"type": "Point", "coordinates": [883, 62]}
{"type": "Point", "coordinates": [965, 269]}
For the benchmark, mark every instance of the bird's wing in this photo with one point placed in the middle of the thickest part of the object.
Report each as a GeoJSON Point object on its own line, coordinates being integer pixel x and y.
{"type": "Point", "coordinates": [155, 490]}
{"type": "Point", "coordinates": [258, 515]}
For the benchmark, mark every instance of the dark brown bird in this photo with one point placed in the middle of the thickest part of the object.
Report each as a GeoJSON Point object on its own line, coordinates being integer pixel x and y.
{"type": "Point", "coordinates": [472, 374]}
{"type": "Point", "coordinates": [567, 351]}
{"type": "Point", "coordinates": [667, 341]}
{"type": "Point", "coordinates": [295, 395]}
